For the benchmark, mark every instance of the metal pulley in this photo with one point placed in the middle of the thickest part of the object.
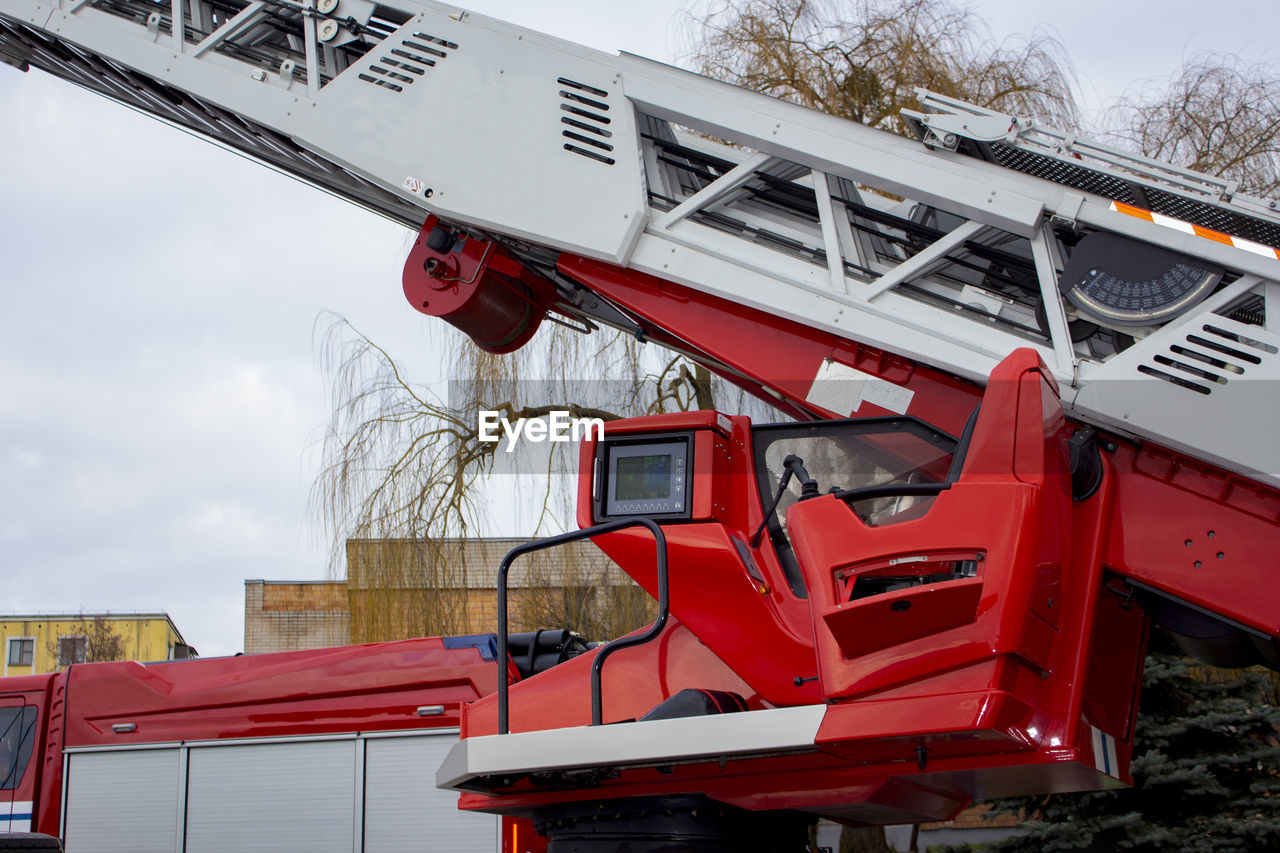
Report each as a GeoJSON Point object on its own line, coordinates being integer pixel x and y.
{"type": "Point", "coordinates": [1118, 281]}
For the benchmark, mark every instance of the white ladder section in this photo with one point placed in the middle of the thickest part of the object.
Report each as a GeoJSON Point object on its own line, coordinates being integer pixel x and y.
{"type": "Point", "coordinates": [950, 250]}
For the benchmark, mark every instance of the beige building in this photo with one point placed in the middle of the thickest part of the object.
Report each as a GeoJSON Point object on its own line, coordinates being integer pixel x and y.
{"type": "Point", "coordinates": [286, 615]}
{"type": "Point", "coordinates": [46, 642]}
{"type": "Point", "coordinates": [411, 588]}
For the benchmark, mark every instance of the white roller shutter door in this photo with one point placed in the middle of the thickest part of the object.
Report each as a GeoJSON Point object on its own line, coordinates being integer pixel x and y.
{"type": "Point", "coordinates": [125, 800]}
{"type": "Point", "coordinates": [404, 811]}
{"type": "Point", "coordinates": [277, 797]}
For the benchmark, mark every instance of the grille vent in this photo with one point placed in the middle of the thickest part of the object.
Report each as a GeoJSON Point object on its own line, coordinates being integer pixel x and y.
{"type": "Point", "coordinates": [1210, 356]}
{"type": "Point", "coordinates": [585, 121]}
{"type": "Point", "coordinates": [400, 66]}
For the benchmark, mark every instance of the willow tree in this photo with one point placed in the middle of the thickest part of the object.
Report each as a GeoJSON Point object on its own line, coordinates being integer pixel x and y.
{"type": "Point", "coordinates": [405, 473]}
{"type": "Point", "coordinates": [1216, 114]}
{"type": "Point", "coordinates": [864, 59]}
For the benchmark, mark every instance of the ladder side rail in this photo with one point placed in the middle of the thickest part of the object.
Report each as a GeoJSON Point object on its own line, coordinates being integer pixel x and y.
{"type": "Point", "coordinates": [755, 276]}
{"type": "Point", "coordinates": [986, 192]}
{"type": "Point", "coordinates": [991, 194]}
{"type": "Point", "coordinates": [796, 270]}
{"type": "Point", "coordinates": [505, 79]}
{"type": "Point", "coordinates": [224, 126]}
{"type": "Point", "coordinates": [949, 115]}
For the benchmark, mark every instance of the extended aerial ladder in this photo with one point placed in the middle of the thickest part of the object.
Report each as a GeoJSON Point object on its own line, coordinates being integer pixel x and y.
{"type": "Point", "coordinates": [1108, 312]}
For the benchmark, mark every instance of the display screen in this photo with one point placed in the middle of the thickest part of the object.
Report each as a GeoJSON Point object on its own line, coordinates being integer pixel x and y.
{"type": "Point", "coordinates": [643, 478]}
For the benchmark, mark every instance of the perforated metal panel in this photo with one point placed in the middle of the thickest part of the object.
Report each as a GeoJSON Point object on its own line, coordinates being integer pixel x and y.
{"type": "Point", "coordinates": [277, 797]}
{"type": "Point", "coordinates": [1217, 382]}
{"type": "Point", "coordinates": [1203, 213]}
{"type": "Point", "coordinates": [404, 811]}
{"type": "Point", "coordinates": [122, 800]}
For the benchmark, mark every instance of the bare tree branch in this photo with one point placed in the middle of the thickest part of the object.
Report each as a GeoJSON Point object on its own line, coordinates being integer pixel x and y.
{"type": "Point", "coordinates": [402, 464]}
{"type": "Point", "coordinates": [863, 59]}
{"type": "Point", "coordinates": [1215, 114]}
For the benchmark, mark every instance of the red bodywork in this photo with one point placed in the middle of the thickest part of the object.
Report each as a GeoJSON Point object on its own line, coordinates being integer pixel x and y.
{"type": "Point", "coordinates": [1021, 679]}
{"type": "Point", "coordinates": [934, 695]}
{"type": "Point", "coordinates": [367, 688]}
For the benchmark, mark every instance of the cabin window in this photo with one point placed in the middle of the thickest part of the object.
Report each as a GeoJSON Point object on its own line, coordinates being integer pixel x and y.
{"type": "Point", "coordinates": [17, 737]}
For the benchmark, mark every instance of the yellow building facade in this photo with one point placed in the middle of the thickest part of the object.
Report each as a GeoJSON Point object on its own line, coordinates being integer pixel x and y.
{"type": "Point", "coordinates": [47, 642]}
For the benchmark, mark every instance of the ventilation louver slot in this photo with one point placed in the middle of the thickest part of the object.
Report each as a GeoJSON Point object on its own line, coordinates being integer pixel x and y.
{"type": "Point", "coordinates": [400, 66]}
{"type": "Point", "coordinates": [585, 120]}
{"type": "Point", "coordinates": [1208, 357]}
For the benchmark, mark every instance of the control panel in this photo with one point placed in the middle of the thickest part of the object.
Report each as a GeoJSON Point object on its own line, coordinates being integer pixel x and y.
{"type": "Point", "coordinates": [646, 476]}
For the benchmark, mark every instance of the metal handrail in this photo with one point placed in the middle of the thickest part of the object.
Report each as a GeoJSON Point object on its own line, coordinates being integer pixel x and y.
{"type": "Point", "coordinates": [597, 665]}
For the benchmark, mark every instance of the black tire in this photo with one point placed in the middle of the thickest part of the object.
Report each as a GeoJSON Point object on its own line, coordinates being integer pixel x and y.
{"type": "Point", "coordinates": [29, 841]}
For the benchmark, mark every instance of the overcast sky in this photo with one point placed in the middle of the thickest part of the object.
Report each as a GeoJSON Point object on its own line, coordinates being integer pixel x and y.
{"type": "Point", "coordinates": [160, 398]}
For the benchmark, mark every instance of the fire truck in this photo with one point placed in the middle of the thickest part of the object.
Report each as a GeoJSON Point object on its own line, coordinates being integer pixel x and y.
{"type": "Point", "coordinates": [1029, 377]}
{"type": "Point", "coordinates": [328, 749]}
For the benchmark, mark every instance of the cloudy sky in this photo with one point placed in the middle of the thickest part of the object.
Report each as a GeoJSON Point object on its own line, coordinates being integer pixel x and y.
{"type": "Point", "coordinates": [160, 396]}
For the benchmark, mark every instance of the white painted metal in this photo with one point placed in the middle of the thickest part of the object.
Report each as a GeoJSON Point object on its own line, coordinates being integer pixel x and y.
{"type": "Point", "coordinates": [716, 190]}
{"type": "Point", "coordinates": [406, 813]}
{"type": "Point", "coordinates": [640, 744]}
{"type": "Point", "coordinates": [125, 800]}
{"type": "Point", "coordinates": [946, 115]}
{"type": "Point", "coordinates": [923, 261]}
{"type": "Point", "coordinates": [1047, 274]}
{"type": "Point", "coordinates": [1226, 367]}
{"type": "Point", "coordinates": [284, 796]}
{"type": "Point", "coordinates": [348, 792]}
{"type": "Point", "coordinates": [415, 107]}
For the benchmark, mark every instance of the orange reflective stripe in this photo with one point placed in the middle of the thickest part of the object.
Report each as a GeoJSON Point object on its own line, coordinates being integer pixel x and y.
{"type": "Point", "coordinates": [1187, 227]}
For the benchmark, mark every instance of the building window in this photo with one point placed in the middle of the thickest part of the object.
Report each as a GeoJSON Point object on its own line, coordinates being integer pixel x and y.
{"type": "Point", "coordinates": [71, 650]}
{"type": "Point", "coordinates": [22, 651]}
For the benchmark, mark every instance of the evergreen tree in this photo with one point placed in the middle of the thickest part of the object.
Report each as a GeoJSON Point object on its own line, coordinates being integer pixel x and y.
{"type": "Point", "coordinates": [1206, 771]}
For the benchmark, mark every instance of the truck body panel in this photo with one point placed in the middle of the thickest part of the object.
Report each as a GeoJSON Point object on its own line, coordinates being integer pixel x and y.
{"type": "Point", "coordinates": [328, 749]}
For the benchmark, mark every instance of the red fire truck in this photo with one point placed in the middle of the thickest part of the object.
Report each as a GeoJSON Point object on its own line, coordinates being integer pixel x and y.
{"type": "Point", "coordinates": [330, 749]}
{"type": "Point", "coordinates": [1032, 382]}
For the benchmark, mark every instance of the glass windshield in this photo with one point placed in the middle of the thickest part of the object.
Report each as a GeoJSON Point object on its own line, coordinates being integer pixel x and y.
{"type": "Point", "coordinates": [17, 737]}
{"type": "Point", "coordinates": [841, 455]}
